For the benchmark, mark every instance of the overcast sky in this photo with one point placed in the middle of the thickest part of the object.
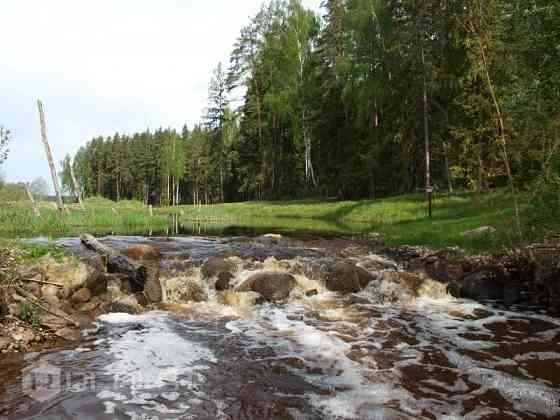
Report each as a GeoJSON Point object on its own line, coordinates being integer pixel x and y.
{"type": "Point", "coordinates": [102, 66]}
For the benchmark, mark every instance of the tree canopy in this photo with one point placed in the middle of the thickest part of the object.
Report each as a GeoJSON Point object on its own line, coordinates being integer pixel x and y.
{"type": "Point", "coordinates": [376, 97]}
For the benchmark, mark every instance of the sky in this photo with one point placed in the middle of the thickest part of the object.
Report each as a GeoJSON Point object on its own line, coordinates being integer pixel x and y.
{"type": "Point", "coordinates": [106, 66]}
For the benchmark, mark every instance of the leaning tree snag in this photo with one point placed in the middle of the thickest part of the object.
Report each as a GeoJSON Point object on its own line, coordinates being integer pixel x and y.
{"type": "Point", "coordinates": [54, 174]}
{"type": "Point", "coordinates": [143, 279]}
{"type": "Point", "coordinates": [33, 203]}
{"type": "Point", "coordinates": [77, 189]}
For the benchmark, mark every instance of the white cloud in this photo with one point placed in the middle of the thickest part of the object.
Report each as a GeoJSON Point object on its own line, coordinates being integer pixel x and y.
{"type": "Point", "coordinates": [107, 65]}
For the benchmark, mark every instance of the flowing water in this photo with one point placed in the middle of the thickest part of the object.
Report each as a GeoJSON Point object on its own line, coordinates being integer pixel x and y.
{"type": "Point", "coordinates": [379, 354]}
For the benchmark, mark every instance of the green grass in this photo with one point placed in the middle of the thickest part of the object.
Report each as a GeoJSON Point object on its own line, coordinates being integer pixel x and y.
{"type": "Point", "coordinates": [101, 216]}
{"type": "Point", "coordinates": [400, 220]}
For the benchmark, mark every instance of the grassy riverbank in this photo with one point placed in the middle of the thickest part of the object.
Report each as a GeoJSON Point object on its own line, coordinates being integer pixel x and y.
{"type": "Point", "coordinates": [400, 220]}
{"type": "Point", "coordinates": [101, 216]}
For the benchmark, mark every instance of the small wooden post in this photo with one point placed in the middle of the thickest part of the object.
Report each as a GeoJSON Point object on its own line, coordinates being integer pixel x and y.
{"type": "Point", "coordinates": [151, 210]}
{"type": "Point", "coordinates": [54, 175]}
{"type": "Point", "coordinates": [33, 204]}
{"type": "Point", "coordinates": [77, 190]}
{"type": "Point", "coordinates": [430, 192]}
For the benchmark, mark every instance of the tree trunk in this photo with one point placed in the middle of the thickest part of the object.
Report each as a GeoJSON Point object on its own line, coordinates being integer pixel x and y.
{"type": "Point", "coordinates": [54, 174]}
{"type": "Point", "coordinates": [33, 204]}
{"type": "Point", "coordinates": [447, 171]}
{"type": "Point", "coordinates": [77, 190]}
{"type": "Point", "coordinates": [427, 137]}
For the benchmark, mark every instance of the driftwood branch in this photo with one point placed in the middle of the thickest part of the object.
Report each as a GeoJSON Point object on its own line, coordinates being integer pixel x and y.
{"type": "Point", "coordinates": [45, 282]}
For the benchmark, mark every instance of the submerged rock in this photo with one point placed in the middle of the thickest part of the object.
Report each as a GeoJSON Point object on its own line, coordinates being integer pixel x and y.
{"type": "Point", "coordinates": [224, 281]}
{"type": "Point", "coordinates": [270, 285]}
{"type": "Point", "coordinates": [345, 277]}
{"type": "Point", "coordinates": [311, 293]}
{"type": "Point", "coordinates": [214, 266]}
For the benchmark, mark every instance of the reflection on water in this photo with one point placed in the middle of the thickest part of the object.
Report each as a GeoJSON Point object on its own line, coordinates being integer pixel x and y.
{"type": "Point", "coordinates": [261, 225]}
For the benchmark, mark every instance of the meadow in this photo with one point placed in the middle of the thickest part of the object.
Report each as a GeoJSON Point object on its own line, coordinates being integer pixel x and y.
{"type": "Point", "coordinates": [399, 220]}
{"type": "Point", "coordinates": [100, 216]}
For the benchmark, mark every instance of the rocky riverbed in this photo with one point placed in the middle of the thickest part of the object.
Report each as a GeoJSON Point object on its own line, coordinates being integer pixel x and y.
{"type": "Point", "coordinates": [275, 327]}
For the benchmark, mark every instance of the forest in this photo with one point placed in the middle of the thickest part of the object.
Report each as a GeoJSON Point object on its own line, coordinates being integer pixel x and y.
{"type": "Point", "coordinates": [374, 98]}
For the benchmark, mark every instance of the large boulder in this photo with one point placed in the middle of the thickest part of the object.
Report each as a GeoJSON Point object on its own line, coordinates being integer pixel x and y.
{"type": "Point", "coordinates": [345, 277]}
{"type": "Point", "coordinates": [214, 266]}
{"type": "Point", "coordinates": [271, 285]}
{"type": "Point", "coordinates": [479, 285]}
{"type": "Point", "coordinates": [68, 271]}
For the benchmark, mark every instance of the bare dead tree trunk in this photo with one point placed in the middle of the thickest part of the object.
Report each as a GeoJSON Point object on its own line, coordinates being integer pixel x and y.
{"type": "Point", "coordinates": [54, 175]}
{"type": "Point", "coordinates": [33, 204]}
{"type": "Point", "coordinates": [77, 189]}
{"type": "Point", "coordinates": [429, 189]}
{"type": "Point", "coordinates": [447, 171]}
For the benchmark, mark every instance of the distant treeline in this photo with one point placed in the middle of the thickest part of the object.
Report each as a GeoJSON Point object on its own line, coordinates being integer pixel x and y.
{"type": "Point", "coordinates": [354, 104]}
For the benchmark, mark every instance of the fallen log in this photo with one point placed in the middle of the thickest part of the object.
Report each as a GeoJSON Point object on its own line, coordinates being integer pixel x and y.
{"type": "Point", "coordinates": [118, 263]}
{"type": "Point", "coordinates": [142, 278]}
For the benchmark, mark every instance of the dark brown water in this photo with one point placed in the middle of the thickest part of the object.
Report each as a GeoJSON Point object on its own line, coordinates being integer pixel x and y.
{"type": "Point", "coordinates": [375, 355]}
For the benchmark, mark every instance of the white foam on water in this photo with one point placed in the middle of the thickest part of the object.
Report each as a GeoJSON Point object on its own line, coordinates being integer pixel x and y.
{"type": "Point", "coordinates": [342, 347]}
{"type": "Point", "coordinates": [109, 407]}
{"type": "Point", "coordinates": [456, 328]}
{"type": "Point", "coordinates": [525, 395]}
{"type": "Point", "coordinates": [120, 318]}
{"type": "Point", "coordinates": [547, 355]}
{"type": "Point", "coordinates": [151, 356]}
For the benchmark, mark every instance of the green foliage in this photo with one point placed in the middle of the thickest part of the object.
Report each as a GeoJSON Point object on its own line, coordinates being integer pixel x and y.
{"type": "Point", "coordinates": [5, 137]}
{"type": "Point", "coordinates": [35, 251]}
{"type": "Point", "coordinates": [543, 213]}
{"type": "Point", "coordinates": [334, 107]}
{"type": "Point", "coordinates": [30, 314]}
{"type": "Point", "coordinates": [12, 192]}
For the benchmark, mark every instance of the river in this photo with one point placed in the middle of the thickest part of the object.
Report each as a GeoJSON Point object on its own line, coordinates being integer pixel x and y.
{"type": "Point", "coordinates": [377, 354]}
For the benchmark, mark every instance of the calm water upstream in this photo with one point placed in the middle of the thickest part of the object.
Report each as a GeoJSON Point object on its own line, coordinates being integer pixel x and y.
{"type": "Point", "coordinates": [379, 354]}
